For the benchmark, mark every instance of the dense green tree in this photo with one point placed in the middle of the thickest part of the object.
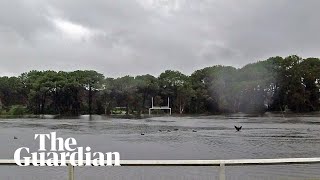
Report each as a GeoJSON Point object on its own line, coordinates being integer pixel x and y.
{"type": "Point", "coordinates": [147, 87]}
{"type": "Point", "coordinates": [256, 85]}
{"type": "Point", "coordinates": [125, 89]}
{"type": "Point", "coordinates": [310, 72]}
{"type": "Point", "coordinates": [276, 84]}
{"type": "Point", "coordinates": [177, 87]}
{"type": "Point", "coordinates": [12, 92]}
{"type": "Point", "coordinates": [213, 87]}
{"type": "Point", "coordinates": [91, 81]}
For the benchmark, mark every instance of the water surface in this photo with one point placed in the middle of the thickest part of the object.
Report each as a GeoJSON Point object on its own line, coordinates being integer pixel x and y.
{"type": "Point", "coordinates": [208, 137]}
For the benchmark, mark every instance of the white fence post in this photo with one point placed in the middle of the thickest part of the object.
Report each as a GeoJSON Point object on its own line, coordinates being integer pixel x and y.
{"type": "Point", "coordinates": [222, 172]}
{"type": "Point", "coordinates": [70, 172]}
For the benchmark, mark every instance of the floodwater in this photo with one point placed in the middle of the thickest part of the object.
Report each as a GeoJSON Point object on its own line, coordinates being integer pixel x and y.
{"type": "Point", "coordinates": [207, 137]}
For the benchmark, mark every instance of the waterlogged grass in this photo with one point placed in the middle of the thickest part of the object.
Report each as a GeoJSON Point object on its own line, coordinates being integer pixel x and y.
{"type": "Point", "coordinates": [14, 111]}
{"type": "Point", "coordinates": [9, 116]}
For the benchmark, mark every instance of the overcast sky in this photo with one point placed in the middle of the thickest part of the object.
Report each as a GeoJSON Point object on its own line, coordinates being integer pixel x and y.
{"type": "Point", "coordinates": [120, 37]}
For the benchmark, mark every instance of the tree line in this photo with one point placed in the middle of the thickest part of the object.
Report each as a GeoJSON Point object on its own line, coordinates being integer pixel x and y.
{"type": "Point", "coordinates": [276, 84]}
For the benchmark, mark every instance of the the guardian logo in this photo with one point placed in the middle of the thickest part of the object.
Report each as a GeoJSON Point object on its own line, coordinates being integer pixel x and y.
{"type": "Point", "coordinates": [62, 151]}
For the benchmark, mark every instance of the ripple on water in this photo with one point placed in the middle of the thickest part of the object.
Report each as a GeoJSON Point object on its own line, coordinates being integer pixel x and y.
{"type": "Point", "coordinates": [214, 137]}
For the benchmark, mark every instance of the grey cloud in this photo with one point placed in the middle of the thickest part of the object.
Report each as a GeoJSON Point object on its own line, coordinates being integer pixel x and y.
{"type": "Point", "coordinates": [150, 36]}
{"type": "Point", "coordinates": [22, 19]}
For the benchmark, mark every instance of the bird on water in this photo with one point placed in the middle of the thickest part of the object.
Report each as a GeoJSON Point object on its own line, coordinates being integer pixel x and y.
{"type": "Point", "coordinates": [238, 128]}
{"type": "Point", "coordinates": [15, 137]}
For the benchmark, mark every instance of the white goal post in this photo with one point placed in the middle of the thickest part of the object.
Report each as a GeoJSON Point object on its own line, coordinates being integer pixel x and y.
{"type": "Point", "coordinates": [160, 107]}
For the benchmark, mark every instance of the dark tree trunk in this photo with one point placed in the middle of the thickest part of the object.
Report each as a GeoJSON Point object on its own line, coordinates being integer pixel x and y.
{"type": "Point", "coordinates": [90, 100]}
{"type": "Point", "coordinates": [42, 105]}
{"type": "Point", "coordinates": [127, 109]}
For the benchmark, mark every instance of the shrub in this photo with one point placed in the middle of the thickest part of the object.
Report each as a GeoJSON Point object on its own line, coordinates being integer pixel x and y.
{"type": "Point", "coordinates": [3, 112]}
{"type": "Point", "coordinates": [17, 110]}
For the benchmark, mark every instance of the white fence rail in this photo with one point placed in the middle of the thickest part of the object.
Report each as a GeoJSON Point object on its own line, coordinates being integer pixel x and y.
{"type": "Point", "coordinates": [220, 163]}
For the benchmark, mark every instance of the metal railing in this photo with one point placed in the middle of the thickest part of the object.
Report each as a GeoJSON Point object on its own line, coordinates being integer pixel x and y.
{"type": "Point", "coordinates": [220, 163]}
